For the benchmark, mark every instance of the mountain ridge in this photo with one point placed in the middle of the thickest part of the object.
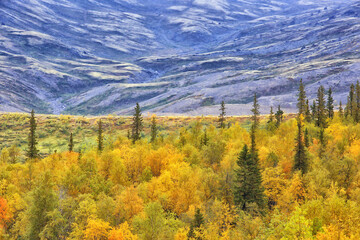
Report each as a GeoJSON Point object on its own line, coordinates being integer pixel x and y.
{"type": "Point", "coordinates": [174, 57]}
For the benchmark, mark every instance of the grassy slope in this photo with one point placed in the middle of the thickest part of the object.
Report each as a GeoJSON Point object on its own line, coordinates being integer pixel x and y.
{"type": "Point", "coordinates": [53, 130]}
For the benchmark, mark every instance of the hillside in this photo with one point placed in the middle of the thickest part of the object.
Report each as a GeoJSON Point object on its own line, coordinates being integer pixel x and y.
{"type": "Point", "coordinates": [174, 57]}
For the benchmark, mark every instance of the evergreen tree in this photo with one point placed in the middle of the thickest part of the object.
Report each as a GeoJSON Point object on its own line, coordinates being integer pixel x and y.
{"type": "Point", "coordinates": [306, 138]}
{"type": "Point", "coordinates": [154, 129]}
{"type": "Point", "coordinates": [196, 224]}
{"type": "Point", "coordinates": [301, 160]}
{"type": "Point", "coordinates": [137, 124]}
{"type": "Point", "coordinates": [32, 151]}
{"type": "Point", "coordinates": [248, 184]}
{"type": "Point", "coordinates": [248, 188]}
{"type": "Point", "coordinates": [321, 110]}
{"type": "Point", "coordinates": [256, 112]}
{"type": "Point", "coordinates": [351, 101]}
{"type": "Point", "coordinates": [43, 201]}
{"type": "Point", "coordinates": [255, 118]}
{"type": "Point", "coordinates": [330, 104]}
{"type": "Point", "coordinates": [71, 143]}
{"type": "Point", "coordinates": [341, 111]}
{"type": "Point", "coordinates": [128, 134]}
{"type": "Point", "coordinates": [205, 138]}
{"type": "Point", "coordinates": [222, 115]}
{"type": "Point", "coordinates": [279, 115]}
{"type": "Point", "coordinates": [357, 102]}
{"type": "Point", "coordinates": [307, 112]}
{"type": "Point", "coordinates": [271, 116]}
{"type": "Point", "coordinates": [313, 111]}
{"type": "Point", "coordinates": [301, 99]}
{"type": "Point", "coordinates": [322, 141]}
{"type": "Point", "coordinates": [100, 136]}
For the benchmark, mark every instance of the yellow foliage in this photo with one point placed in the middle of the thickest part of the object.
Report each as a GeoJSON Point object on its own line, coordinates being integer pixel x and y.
{"type": "Point", "coordinates": [123, 232]}
{"type": "Point", "coordinates": [97, 229]}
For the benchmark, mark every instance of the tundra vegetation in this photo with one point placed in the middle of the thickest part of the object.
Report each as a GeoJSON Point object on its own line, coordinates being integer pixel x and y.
{"type": "Point", "coordinates": [277, 176]}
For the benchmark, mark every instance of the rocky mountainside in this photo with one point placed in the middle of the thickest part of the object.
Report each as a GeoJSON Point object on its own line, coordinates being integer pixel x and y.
{"type": "Point", "coordinates": [173, 56]}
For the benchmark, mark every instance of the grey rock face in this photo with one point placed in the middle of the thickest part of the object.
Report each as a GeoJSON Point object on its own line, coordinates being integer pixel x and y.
{"type": "Point", "coordinates": [173, 56]}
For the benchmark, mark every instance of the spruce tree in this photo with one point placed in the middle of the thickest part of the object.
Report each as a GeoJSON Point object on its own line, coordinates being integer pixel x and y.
{"type": "Point", "coordinates": [330, 104]}
{"type": "Point", "coordinates": [301, 160]}
{"type": "Point", "coordinates": [256, 112]}
{"type": "Point", "coordinates": [321, 108]}
{"type": "Point", "coordinates": [222, 115]}
{"type": "Point", "coordinates": [100, 136]}
{"type": "Point", "coordinates": [205, 138]}
{"type": "Point", "coordinates": [271, 116]}
{"type": "Point", "coordinates": [196, 224]}
{"type": "Point", "coordinates": [32, 151]}
{"type": "Point", "coordinates": [43, 200]}
{"type": "Point", "coordinates": [248, 188]}
{"type": "Point", "coordinates": [357, 102]}
{"type": "Point", "coordinates": [313, 111]}
{"type": "Point", "coordinates": [322, 141]}
{"type": "Point", "coordinates": [306, 138]}
{"type": "Point", "coordinates": [352, 101]}
{"type": "Point", "coordinates": [137, 124]}
{"type": "Point", "coordinates": [341, 111]}
{"type": "Point", "coordinates": [248, 184]}
{"type": "Point", "coordinates": [301, 99]}
{"type": "Point", "coordinates": [71, 143]}
{"type": "Point", "coordinates": [307, 112]}
{"type": "Point", "coordinates": [154, 129]}
{"type": "Point", "coordinates": [279, 115]}
{"type": "Point", "coordinates": [347, 108]}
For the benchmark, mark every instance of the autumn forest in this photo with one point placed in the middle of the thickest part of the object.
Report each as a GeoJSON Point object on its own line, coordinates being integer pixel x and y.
{"type": "Point", "coordinates": [266, 176]}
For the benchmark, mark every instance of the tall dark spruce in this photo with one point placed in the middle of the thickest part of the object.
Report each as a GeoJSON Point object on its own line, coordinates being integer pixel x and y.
{"type": "Point", "coordinates": [248, 184]}
{"type": "Point", "coordinates": [222, 115]}
{"type": "Point", "coordinates": [71, 143]}
{"type": "Point", "coordinates": [32, 151]}
{"type": "Point", "coordinates": [100, 136]}
{"type": "Point", "coordinates": [137, 124]}
{"type": "Point", "coordinates": [300, 159]}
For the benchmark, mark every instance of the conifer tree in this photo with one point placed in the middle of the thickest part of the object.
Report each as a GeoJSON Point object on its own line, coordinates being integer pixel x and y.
{"type": "Point", "coordinates": [301, 161]}
{"type": "Point", "coordinates": [307, 112]}
{"type": "Point", "coordinates": [357, 102]}
{"type": "Point", "coordinates": [255, 124]}
{"type": "Point", "coordinates": [301, 99]}
{"type": "Point", "coordinates": [43, 200]}
{"type": "Point", "coordinates": [222, 115]}
{"type": "Point", "coordinates": [330, 104]}
{"type": "Point", "coordinates": [322, 141]}
{"type": "Point", "coordinates": [205, 138]}
{"type": "Point", "coordinates": [248, 184]}
{"type": "Point", "coordinates": [306, 138]}
{"type": "Point", "coordinates": [32, 151]}
{"type": "Point", "coordinates": [352, 102]}
{"type": "Point", "coordinates": [154, 129]}
{"type": "Point", "coordinates": [279, 115]}
{"type": "Point", "coordinates": [137, 124]}
{"type": "Point", "coordinates": [196, 224]}
{"type": "Point", "coordinates": [248, 188]}
{"type": "Point", "coordinates": [100, 136]}
{"type": "Point", "coordinates": [341, 111]}
{"type": "Point", "coordinates": [321, 108]}
{"type": "Point", "coordinates": [313, 111]}
{"type": "Point", "coordinates": [256, 112]}
{"type": "Point", "coordinates": [71, 143]}
{"type": "Point", "coordinates": [271, 116]}
{"type": "Point", "coordinates": [347, 108]}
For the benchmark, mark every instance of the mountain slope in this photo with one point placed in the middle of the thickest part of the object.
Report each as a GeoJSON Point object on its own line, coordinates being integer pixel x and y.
{"type": "Point", "coordinates": [100, 57]}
